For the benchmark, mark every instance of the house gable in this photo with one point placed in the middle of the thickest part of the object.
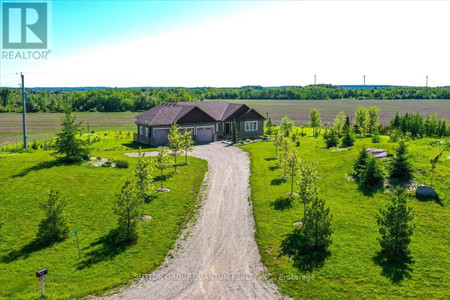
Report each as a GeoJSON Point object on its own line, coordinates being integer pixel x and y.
{"type": "Point", "coordinates": [195, 115]}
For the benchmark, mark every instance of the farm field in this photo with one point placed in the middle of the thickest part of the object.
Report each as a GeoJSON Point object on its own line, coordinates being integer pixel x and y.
{"type": "Point", "coordinates": [354, 269]}
{"type": "Point", "coordinates": [44, 125]}
{"type": "Point", "coordinates": [298, 110]}
{"type": "Point", "coordinates": [25, 181]}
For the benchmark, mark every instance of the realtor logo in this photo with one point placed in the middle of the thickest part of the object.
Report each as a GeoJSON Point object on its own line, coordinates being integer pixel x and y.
{"type": "Point", "coordinates": [24, 25]}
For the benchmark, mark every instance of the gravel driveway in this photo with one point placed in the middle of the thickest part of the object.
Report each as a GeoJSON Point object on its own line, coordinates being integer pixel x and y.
{"type": "Point", "coordinates": [220, 258]}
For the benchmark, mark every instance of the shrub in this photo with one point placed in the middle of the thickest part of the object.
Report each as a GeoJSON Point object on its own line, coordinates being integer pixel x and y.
{"type": "Point", "coordinates": [35, 145]}
{"type": "Point", "coordinates": [297, 144]}
{"type": "Point", "coordinates": [122, 164]}
{"type": "Point", "coordinates": [107, 164]}
{"type": "Point", "coordinates": [376, 138]}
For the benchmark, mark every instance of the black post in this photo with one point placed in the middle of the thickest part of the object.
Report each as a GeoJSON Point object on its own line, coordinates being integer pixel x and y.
{"type": "Point", "coordinates": [78, 245]}
{"type": "Point", "coordinates": [24, 113]}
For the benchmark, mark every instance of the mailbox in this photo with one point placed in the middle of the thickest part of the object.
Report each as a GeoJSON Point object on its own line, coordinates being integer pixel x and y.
{"type": "Point", "coordinates": [41, 273]}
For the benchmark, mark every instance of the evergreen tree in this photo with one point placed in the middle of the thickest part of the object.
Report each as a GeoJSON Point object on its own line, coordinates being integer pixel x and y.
{"type": "Point", "coordinates": [317, 228]}
{"type": "Point", "coordinates": [307, 177]}
{"type": "Point", "coordinates": [347, 125]}
{"type": "Point", "coordinates": [53, 227]}
{"type": "Point", "coordinates": [269, 127]}
{"type": "Point", "coordinates": [361, 162]}
{"type": "Point", "coordinates": [74, 149]}
{"type": "Point", "coordinates": [128, 207]}
{"type": "Point", "coordinates": [331, 138]}
{"type": "Point", "coordinates": [394, 222]}
{"type": "Point", "coordinates": [175, 142]}
{"type": "Point", "coordinates": [349, 139]}
{"type": "Point", "coordinates": [187, 144]}
{"type": "Point", "coordinates": [373, 174]}
{"type": "Point", "coordinates": [162, 162]}
{"type": "Point", "coordinates": [401, 168]}
{"type": "Point", "coordinates": [144, 179]}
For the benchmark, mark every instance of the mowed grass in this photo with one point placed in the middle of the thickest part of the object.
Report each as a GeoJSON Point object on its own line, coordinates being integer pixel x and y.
{"type": "Point", "coordinates": [25, 181]}
{"type": "Point", "coordinates": [351, 272]}
{"type": "Point", "coordinates": [298, 110]}
{"type": "Point", "coordinates": [44, 125]}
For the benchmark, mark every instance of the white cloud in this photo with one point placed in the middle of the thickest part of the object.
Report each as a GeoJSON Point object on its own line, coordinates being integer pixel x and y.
{"type": "Point", "coordinates": [282, 44]}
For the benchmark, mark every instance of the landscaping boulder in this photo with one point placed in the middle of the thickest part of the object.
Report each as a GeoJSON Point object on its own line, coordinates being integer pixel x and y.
{"type": "Point", "coordinates": [379, 153]}
{"type": "Point", "coordinates": [425, 191]}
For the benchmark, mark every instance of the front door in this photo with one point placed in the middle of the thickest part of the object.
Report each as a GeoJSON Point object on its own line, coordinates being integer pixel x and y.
{"type": "Point", "coordinates": [228, 128]}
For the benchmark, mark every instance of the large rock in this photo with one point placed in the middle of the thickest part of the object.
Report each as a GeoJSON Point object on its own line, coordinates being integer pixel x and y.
{"type": "Point", "coordinates": [425, 191]}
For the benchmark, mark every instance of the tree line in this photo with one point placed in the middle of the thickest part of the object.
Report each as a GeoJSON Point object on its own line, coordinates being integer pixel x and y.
{"type": "Point", "coordinates": [117, 100]}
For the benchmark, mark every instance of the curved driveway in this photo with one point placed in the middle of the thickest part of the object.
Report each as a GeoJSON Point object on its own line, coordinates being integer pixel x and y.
{"type": "Point", "coordinates": [220, 258]}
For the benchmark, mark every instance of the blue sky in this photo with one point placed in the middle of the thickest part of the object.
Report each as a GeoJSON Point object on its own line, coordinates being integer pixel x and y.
{"type": "Point", "coordinates": [235, 43]}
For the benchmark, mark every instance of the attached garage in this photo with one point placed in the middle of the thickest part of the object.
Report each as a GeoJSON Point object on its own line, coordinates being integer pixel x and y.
{"type": "Point", "coordinates": [191, 129]}
{"type": "Point", "coordinates": [160, 136]}
{"type": "Point", "coordinates": [205, 134]}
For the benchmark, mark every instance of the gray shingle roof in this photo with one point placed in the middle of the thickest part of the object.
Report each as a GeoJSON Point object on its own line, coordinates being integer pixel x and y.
{"type": "Point", "coordinates": [168, 113]}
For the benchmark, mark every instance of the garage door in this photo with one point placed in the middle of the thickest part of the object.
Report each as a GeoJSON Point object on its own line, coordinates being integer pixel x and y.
{"type": "Point", "coordinates": [204, 135]}
{"type": "Point", "coordinates": [160, 136]}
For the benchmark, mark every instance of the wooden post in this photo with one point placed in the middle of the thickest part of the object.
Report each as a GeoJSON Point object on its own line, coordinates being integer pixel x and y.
{"type": "Point", "coordinates": [42, 286]}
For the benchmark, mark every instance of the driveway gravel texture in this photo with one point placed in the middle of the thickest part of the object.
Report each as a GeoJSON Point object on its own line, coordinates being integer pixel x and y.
{"type": "Point", "coordinates": [219, 258]}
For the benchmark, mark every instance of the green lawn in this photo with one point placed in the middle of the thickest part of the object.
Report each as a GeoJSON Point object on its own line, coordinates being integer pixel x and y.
{"type": "Point", "coordinates": [351, 271]}
{"type": "Point", "coordinates": [25, 180]}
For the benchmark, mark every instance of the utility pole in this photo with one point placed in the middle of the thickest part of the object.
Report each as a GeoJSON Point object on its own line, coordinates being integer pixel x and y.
{"type": "Point", "coordinates": [24, 113]}
{"type": "Point", "coordinates": [426, 81]}
{"type": "Point", "coordinates": [364, 79]}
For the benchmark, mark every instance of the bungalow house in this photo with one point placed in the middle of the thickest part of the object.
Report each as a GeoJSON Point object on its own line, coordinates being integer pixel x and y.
{"type": "Point", "coordinates": [207, 121]}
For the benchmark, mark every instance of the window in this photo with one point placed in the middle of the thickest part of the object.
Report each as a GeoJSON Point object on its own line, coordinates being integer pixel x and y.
{"type": "Point", "coordinates": [251, 125]}
{"type": "Point", "coordinates": [140, 130]}
{"type": "Point", "coordinates": [146, 131]}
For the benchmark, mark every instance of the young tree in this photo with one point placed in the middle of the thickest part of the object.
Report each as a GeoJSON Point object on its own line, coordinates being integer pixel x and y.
{"type": "Point", "coordinates": [307, 177]}
{"type": "Point", "coordinates": [361, 162]}
{"type": "Point", "coordinates": [292, 163]}
{"type": "Point", "coordinates": [373, 115]}
{"type": "Point", "coordinates": [175, 142]}
{"type": "Point", "coordinates": [128, 207]}
{"type": "Point", "coordinates": [285, 147]}
{"type": "Point", "coordinates": [269, 127]}
{"type": "Point", "coordinates": [277, 142]}
{"type": "Point", "coordinates": [433, 163]}
{"type": "Point", "coordinates": [339, 122]}
{"type": "Point", "coordinates": [235, 132]}
{"type": "Point", "coordinates": [144, 179]}
{"type": "Point", "coordinates": [53, 227]}
{"type": "Point", "coordinates": [373, 174]}
{"type": "Point", "coordinates": [331, 138]}
{"type": "Point", "coordinates": [162, 162]}
{"type": "Point", "coordinates": [394, 222]}
{"type": "Point", "coordinates": [401, 168]}
{"type": "Point", "coordinates": [317, 228]}
{"type": "Point", "coordinates": [187, 144]}
{"type": "Point", "coordinates": [314, 119]}
{"type": "Point", "coordinates": [67, 143]}
{"type": "Point", "coordinates": [361, 118]}
{"type": "Point", "coordinates": [286, 126]}
{"type": "Point", "coordinates": [349, 139]}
